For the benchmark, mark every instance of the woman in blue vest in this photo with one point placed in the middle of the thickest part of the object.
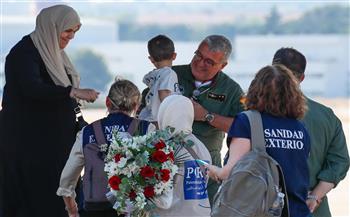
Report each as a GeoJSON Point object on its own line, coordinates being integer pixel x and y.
{"type": "Point", "coordinates": [122, 102]}
{"type": "Point", "coordinates": [276, 94]}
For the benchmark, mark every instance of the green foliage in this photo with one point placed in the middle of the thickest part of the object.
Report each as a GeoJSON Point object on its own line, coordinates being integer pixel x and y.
{"type": "Point", "coordinates": [272, 24]}
{"type": "Point", "coordinates": [93, 70]}
{"type": "Point", "coordinates": [133, 31]}
{"type": "Point", "coordinates": [141, 159]}
{"type": "Point", "coordinates": [331, 19]}
{"type": "Point", "coordinates": [125, 185]}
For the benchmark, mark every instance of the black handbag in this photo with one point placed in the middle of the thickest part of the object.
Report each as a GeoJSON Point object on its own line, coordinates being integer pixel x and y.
{"type": "Point", "coordinates": [80, 122]}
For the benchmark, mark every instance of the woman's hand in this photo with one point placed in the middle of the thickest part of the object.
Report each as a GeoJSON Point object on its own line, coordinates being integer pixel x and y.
{"type": "Point", "coordinates": [312, 204]}
{"type": "Point", "coordinates": [89, 95]}
{"type": "Point", "coordinates": [215, 172]}
{"type": "Point", "coordinates": [73, 211]}
{"type": "Point", "coordinates": [71, 206]}
{"type": "Point", "coordinates": [313, 200]}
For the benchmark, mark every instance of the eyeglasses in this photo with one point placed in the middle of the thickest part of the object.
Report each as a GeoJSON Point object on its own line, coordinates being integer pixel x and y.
{"type": "Point", "coordinates": [207, 61]}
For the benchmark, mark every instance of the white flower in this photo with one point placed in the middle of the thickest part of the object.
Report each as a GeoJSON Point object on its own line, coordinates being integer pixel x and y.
{"type": "Point", "coordinates": [122, 162]}
{"type": "Point", "coordinates": [140, 200]}
{"type": "Point", "coordinates": [146, 154]}
{"type": "Point", "coordinates": [174, 169]}
{"type": "Point", "coordinates": [133, 168]}
{"type": "Point", "coordinates": [137, 141]}
{"type": "Point", "coordinates": [104, 147]}
{"type": "Point", "coordinates": [130, 169]}
{"type": "Point", "coordinates": [111, 168]}
{"type": "Point", "coordinates": [128, 154]}
{"type": "Point", "coordinates": [135, 153]}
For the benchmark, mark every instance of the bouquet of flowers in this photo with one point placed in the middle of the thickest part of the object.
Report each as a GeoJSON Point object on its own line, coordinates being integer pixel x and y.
{"type": "Point", "coordinates": [139, 169]}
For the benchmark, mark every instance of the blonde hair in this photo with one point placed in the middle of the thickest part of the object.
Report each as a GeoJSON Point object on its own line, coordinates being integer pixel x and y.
{"type": "Point", "coordinates": [275, 90]}
{"type": "Point", "coordinates": [124, 96]}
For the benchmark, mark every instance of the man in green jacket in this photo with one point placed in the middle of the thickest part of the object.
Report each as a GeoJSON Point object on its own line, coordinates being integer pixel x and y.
{"type": "Point", "coordinates": [329, 157]}
{"type": "Point", "coordinates": [215, 96]}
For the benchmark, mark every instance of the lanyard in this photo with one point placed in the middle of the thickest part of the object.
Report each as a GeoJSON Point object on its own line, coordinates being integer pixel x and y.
{"type": "Point", "coordinates": [196, 92]}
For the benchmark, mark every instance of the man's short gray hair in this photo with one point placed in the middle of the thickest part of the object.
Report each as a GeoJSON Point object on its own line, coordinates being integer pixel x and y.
{"type": "Point", "coordinates": [219, 43]}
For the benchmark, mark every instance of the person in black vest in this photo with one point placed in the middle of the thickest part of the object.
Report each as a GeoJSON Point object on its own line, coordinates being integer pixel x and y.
{"type": "Point", "coordinates": [38, 121]}
{"type": "Point", "coordinates": [122, 102]}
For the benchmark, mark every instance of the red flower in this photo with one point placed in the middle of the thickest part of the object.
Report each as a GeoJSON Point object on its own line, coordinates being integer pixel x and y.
{"type": "Point", "coordinates": [171, 156]}
{"type": "Point", "coordinates": [117, 158]}
{"type": "Point", "coordinates": [114, 182]}
{"type": "Point", "coordinates": [159, 156]}
{"type": "Point", "coordinates": [148, 191]}
{"type": "Point", "coordinates": [165, 173]}
{"type": "Point", "coordinates": [160, 145]}
{"type": "Point", "coordinates": [132, 195]}
{"type": "Point", "coordinates": [147, 172]}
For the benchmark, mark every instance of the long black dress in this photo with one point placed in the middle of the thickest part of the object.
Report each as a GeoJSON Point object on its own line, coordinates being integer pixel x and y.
{"type": "Point", "coordinates": [37, 131]}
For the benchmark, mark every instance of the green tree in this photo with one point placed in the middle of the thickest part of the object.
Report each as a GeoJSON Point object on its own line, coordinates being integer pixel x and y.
{"type": "Point", "coordinates": [272, 25]}
{"type": "Point", "coordinates": [93, 70]}
{"type": "Point", "coordinates": [325, 20]}
{"type": "Point", "coordinates": [330, 19]}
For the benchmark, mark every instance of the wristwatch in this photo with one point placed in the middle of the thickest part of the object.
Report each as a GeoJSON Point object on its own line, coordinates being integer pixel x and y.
{"type": "Point", "coordinates": [209, 117]}
{"type": "Point", "coordinates": [314, 197]}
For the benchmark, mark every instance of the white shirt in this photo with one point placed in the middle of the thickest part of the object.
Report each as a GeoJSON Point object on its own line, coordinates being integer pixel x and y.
{"type": "Point", "coordinates": [158, 79]}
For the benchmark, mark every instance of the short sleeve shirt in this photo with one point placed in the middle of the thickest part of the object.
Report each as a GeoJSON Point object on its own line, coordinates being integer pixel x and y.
{"type": "Point", "coordinates": [159, 79]}
{"type": "Point", "coordinates": [288, 142]}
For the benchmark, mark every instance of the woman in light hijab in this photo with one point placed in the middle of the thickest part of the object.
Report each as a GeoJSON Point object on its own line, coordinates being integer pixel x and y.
{"type": "Point", "coordinates": [189, 196]}
{"type": "Point", "coordinates": [37, 127]}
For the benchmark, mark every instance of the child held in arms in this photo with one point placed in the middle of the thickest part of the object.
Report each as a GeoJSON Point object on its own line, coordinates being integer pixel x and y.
{"type": "Point", "coordinates": [161, 81]}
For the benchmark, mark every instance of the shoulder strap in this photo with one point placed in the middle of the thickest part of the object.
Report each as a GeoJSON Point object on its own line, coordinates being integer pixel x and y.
{"type": "Point", "coordinates": [258, 144]}
{"type": "Point", "coordinates": [256, 130]}
{"type": "Point", "coordinates": [133, 126]}
{"type": "Point", "coordinates": [143, 127]}
{"type": "Point", "coordinates": [98, 131]}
